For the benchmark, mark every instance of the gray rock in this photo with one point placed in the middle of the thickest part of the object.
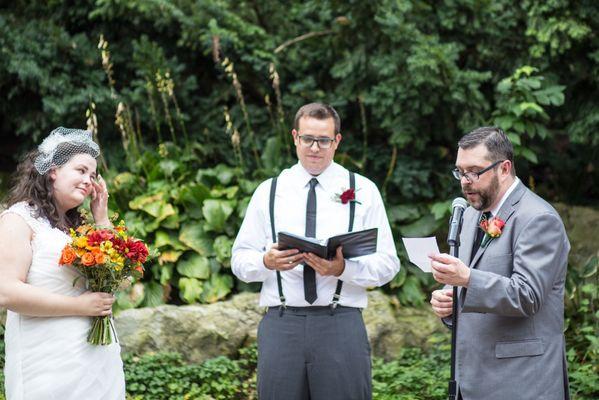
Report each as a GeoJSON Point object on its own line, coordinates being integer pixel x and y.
{"type": "Point", "coordinates": [391, 326]}
{"type": "Point", "coordinates": [200, 332]}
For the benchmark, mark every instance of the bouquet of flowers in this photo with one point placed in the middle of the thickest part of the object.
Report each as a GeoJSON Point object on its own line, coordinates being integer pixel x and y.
{"type": "Point", "coordinates": [105, 257]}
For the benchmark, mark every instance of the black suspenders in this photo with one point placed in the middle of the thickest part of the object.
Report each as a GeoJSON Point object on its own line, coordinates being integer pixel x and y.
{"type": "Point", "coordinates": [271, 209]}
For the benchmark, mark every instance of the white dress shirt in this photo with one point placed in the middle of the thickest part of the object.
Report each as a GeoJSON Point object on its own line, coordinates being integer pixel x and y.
{"type": "Point", "coordinates": [332, 218]}
{"type": "Point", "coordinates": [509, 191]}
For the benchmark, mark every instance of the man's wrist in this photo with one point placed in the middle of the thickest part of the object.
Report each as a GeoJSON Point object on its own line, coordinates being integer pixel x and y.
{"type": "Point", "coordinates": [264, 262]}
{"type": "Point", "coordinates": [342, 269]}
{"type": "Point", "coordinates": [466, 280]}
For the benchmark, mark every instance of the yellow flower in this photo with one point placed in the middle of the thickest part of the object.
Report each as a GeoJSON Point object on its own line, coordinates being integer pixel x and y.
{"type": "Point", "coordinates": [106, 246]}
{"type": "Point", "coordinates": [119, 260]}
{"type": "Point", "coordinates": [80, 242]}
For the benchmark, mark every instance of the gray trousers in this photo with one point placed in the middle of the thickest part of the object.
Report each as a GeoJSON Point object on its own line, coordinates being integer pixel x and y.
{"type": "Point", "coordinates": [309, 354]}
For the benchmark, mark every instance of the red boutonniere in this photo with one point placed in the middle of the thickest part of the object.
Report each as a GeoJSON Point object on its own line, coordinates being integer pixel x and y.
{"type": "Point", "coordinates": [346, 196]}
{"type": "Point", "coordinates": [493, 228]}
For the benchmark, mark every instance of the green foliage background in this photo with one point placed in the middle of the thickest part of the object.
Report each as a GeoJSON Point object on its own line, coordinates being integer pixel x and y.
{"type": "Point", "coordinates": [193, 100]}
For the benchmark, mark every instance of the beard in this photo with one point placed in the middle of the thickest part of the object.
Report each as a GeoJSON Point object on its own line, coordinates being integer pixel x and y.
{"type": "Point", "coordinates": [483, 198]}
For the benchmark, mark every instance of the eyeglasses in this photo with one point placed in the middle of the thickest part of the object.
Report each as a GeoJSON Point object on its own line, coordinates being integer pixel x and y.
{"type": "Point", "coordinates": [473, 176]}
{"type": "Point", "coordinates": [323, 142]}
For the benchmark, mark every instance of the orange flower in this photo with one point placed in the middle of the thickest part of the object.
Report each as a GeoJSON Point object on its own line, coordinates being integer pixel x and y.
{"type": "Point", "coordinates": [493, 227]}
{"type": "Point", "coordinates": [83, 229]}
{"type": "Point", "coordinates": [88, 259]}
{"type": "Point", "coordinates": [99, 256]}
{"type": "Point", "coordinates": [68, 256]}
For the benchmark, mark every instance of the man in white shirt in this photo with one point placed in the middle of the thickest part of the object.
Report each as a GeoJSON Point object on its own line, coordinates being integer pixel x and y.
{"type": "Point", "coordinates": [312, 342]}
{"type": "Point", "coordinates": [510, 278]}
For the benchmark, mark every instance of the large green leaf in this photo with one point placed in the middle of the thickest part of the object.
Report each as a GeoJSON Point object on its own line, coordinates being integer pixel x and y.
{"type": "Point", "coordinates": [193, 236]}
{"type": "Point", "coordinates": [422, 227]}
{"type": "Point", "coordinates": [190, 289]}
{"type": "Point", "coordinates": [165, 238]}
{"type": "Point", "coordinates": [130, 297]}
{"type": "Point", "coordinates": [222, 248]}
{"type": "Point", "coordinates": [170, 222]}
{"type": "Point", "coordinates": [153, 294]}
{"type": "Point", "coordinates": [218, 287]}
{"type": "Point", "coordinates": [168, 167]}
{"type": "Point", "coordinates": [169, 256]}
{"type": "Point", "coordinates": [402, 213]}
{"type": "Point", "coordinates": [224, 174]}
{"type": "Point", "coordinates": [191, 193]}
{"type": "Point", "coordinates": [166, 273]}
{"type": "Point", "coordinates": [272, 154]}
{"type": "Point", "coordinates": [196, 266]}
{"type": "Point", "coordinates": [216, 213]}
{"type": "Point", "coordinates": [154, 205]}
{"type": "Point", "coordinates": [228, 192]}
{"type": "Point", "coordinates": [441, 209]}
{"type": "Point", "coordinates": [411, 292]}
{"type": "Point", "coordinates": [125, 181]}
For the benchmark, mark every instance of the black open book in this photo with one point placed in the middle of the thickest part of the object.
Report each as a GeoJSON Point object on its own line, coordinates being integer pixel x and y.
{"type": "Point", "coordinates": [355, 244]}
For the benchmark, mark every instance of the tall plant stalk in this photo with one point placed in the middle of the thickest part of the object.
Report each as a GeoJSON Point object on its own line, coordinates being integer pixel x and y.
{"type": "Point", "coordinates": [276, 86]}
{"type": "Point", "coordinates": [230, 71]}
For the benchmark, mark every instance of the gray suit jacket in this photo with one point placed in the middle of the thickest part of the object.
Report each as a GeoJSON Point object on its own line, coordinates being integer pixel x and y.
{"type": "Point", "coordinates": [510, 342]}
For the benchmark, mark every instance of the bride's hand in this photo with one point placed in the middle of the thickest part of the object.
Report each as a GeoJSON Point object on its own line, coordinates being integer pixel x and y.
{"type": "Point", "coordinates": [95, 304]}
{"type": "Point", "coordinates": [99, 202]}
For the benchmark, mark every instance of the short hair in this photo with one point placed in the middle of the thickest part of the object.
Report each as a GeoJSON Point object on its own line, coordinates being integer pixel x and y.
{"type": "Point", "coordinates": [318, 111]}
{"type": "Point", "coordinates": [495, 140]}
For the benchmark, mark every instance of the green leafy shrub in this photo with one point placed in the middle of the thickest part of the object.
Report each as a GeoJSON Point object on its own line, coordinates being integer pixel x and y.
{"type": "Point", "coordinates": [582, 328]}
{"type": "Point", "coordinates": [190, 214]}
{"type": "Point", "coordinates": [165, 376]}
{"type": "Point", "coordinates": [415, 374]}
{"type": "Point", "coordinates": [159, 376]}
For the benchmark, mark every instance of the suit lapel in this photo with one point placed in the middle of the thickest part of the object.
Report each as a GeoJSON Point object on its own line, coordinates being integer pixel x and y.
{"type": "Point", "coordinates": [469, 228]}
{"type": "Point", "coordinates": [506, 211]}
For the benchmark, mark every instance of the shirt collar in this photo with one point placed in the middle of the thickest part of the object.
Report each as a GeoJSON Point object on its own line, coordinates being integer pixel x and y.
{"type": "Point", "coordinates": [509, 191]}
{"type": "Point", "coordinates": [327, 178]}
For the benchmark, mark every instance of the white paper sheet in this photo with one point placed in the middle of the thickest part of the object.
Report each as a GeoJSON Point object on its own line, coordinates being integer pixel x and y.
{"type": "Point", "coordinates": [418, 250]}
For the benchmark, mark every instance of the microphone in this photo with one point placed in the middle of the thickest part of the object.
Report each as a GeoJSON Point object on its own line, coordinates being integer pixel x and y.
{"type": "Point", "coordinates": [458, 207]}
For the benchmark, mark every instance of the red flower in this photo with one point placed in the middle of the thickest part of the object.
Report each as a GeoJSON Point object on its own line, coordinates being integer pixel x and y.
{"type": "Point", "coordinates": [99, 236]}
{"type": "Point", "coordinates": [119, 244]}
{"type": "Point", "coordinates": [136, 251]}
{"type": "Point", "coordinates": [347, 196]}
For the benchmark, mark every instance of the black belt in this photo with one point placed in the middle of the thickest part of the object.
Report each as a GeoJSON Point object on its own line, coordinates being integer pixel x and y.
{"type": "Point", "coordinates": [312, 310]}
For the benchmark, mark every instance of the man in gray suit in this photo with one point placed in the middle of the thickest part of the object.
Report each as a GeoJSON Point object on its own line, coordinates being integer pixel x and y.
{"type": "Point", "coordinates": [510, 342]}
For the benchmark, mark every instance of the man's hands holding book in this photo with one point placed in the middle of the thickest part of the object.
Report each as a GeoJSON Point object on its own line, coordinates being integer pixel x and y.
{"type": "Point", "coordinates": [283, 260]}
{"type": "Point", "coordinates": [325, 267]}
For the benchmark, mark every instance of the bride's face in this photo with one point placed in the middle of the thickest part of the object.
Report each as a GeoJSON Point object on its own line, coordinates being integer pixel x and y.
{"type": "Point", "coordinates": [72, 182]}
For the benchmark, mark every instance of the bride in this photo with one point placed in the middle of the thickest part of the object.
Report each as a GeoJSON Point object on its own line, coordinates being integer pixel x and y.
{"type": "Point", "coordinates": [47, 354]}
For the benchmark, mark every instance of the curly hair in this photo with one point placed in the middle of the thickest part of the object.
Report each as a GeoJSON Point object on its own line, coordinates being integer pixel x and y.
{"type": "Point", "coordinates": [37, 190]}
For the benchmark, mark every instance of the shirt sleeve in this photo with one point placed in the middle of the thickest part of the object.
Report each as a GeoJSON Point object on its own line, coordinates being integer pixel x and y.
{"type": "Point", "coordinates": [378, 268]}
{"type": "Point", "coordinates": [250, 245]}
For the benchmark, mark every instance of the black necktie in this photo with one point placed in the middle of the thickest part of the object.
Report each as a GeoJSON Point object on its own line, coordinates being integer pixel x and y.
{"type": "Point", "coordinates": [479, 233]}
{"type": "Point", "coordinates": [309, 274]}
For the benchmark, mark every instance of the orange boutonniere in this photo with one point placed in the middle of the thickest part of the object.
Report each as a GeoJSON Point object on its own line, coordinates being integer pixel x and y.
{"type": "Point", "coordinates": [493, 228]}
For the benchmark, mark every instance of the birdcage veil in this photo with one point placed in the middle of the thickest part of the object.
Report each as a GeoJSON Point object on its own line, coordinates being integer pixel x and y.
{"type": "Point", "coordinates": [61, 145]}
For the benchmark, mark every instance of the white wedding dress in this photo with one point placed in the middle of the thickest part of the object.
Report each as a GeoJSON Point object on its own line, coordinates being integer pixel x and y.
{"type": "Point", "coordinates": [49, 358]}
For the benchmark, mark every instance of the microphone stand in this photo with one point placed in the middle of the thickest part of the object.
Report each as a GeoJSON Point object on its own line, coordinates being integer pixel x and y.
{"type": "Point", "coordinates": [454, 250]}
